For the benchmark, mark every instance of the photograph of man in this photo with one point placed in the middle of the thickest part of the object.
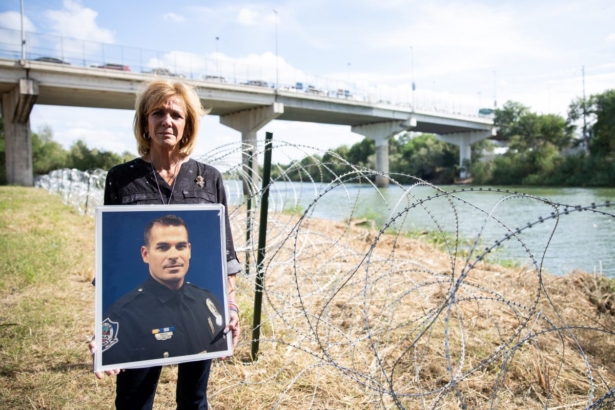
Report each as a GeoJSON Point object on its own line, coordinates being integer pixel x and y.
{"type": "Point", "coordinates": [165, 316]}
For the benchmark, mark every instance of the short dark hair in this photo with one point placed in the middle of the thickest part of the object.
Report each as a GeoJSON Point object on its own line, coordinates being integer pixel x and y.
{"type": "Point", "coordinates": [167, 220]}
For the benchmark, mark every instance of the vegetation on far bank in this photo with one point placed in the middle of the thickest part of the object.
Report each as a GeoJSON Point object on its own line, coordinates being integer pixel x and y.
{"type": "Point", "coordinates": [543, 149]}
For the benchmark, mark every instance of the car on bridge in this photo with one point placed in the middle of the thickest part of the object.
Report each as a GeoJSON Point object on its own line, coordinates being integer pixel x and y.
{"type": "Point", "coordinates": [313, 90]}
{"type": "Point", "coordinates": [257, 83]}
{"type": "Point", "coordinates": [51, 60]}
{"type": "Point", "coordinates": [344, 94]}
{"type": "Point", "coordinates": [165, 72]}
{"type": "Point", "coordinates": [110, 66]}
{"type": "Point", "coordinates": [214, 78]}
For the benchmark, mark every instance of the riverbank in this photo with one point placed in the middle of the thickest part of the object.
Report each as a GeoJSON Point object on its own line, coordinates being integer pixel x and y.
{"type": "Point", "coordinates": [350, 317]}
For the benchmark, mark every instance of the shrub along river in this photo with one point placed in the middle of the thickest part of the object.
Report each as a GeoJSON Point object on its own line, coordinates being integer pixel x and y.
{"type": "Point", "coordinates": [559, 236]}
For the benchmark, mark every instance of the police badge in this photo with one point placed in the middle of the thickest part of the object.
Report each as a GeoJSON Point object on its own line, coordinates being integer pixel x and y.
{"type": "Point", "coordinates": [109, 333]}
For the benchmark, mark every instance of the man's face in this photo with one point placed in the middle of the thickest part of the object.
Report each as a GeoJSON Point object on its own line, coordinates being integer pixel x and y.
{"type": "Point", "coordinates": [168, 255]}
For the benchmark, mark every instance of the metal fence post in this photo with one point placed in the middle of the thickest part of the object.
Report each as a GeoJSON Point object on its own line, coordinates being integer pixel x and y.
{"type": "Point", "coordinates": [262, 240]}
{"type": "Point", "coordinates": [249, 220]}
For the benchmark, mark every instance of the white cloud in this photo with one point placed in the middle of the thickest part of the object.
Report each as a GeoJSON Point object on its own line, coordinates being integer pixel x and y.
{"type": "Point", "coordinates": [247, 17]}
{"type": "Point", "coordinates": [105, 129]}
{"type": "Point", "coordinates": [174, 17]}
{"type": "Point", "coordinates": [11, 38]}
{"type": "Point", "coordinates": [611, 37]}
{"type": "Point", "coordinates": [12, 21]}
{"type": "Point", "coordinates": [78, 22]}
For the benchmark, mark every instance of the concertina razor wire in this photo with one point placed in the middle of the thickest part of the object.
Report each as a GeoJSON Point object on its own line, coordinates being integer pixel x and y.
{"type": "Point", "coordinates": [405, 328]}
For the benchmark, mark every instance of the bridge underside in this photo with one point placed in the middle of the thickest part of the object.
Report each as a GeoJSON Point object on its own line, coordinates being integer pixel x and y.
{"type": "Point", "coordinates": [95, 88]}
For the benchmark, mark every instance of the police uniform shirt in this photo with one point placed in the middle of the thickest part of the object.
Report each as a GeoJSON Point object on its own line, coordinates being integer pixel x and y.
{"type": "Point", "coordinates": [155, 322]}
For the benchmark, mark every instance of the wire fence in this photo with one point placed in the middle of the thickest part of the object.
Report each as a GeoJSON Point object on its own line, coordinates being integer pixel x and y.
{"type": "Point", "coordinates": [402, 325]}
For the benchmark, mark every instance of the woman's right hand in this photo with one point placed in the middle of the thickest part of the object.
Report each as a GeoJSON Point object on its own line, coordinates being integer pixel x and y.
{"type": "Point", "coordinates": [100, 375]}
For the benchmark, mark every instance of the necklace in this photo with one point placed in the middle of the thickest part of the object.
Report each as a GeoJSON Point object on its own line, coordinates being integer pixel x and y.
{"type": "Point", "coordinates": [158, 185]}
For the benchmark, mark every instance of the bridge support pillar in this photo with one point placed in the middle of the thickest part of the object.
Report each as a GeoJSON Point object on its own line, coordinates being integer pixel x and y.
{"type": "Point", "coordinates": [16, 107]}
{"type": "Point", "coordinates": [381, 132]}
{"type": "Point", "coordinates": [463, 140]}
{"type": "Point", "coordinates": [248, 122]}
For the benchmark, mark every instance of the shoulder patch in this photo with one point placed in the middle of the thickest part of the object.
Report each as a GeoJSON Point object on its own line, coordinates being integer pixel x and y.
{"type": "Point", "coordinates": [214, 311]}
{"type": "Point", "coordinates": [110, 332]}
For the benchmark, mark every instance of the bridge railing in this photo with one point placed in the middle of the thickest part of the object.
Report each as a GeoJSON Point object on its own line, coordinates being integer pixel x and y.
{"type": "Point", "coordinates": [92, 54]}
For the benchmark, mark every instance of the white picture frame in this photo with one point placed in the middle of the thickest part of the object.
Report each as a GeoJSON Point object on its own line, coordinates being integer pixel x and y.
{"type": "Point", "coordinates": [127, 291]}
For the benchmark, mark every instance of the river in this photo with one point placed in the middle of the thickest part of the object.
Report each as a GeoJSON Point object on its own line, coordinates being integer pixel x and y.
{"type": "Point", "coordinates": [574, 240]}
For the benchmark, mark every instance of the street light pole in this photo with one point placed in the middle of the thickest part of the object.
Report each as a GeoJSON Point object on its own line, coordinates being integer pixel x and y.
{"type": "Point", "coordinates": [585, 144]}
{"type": "Point", "coordinates": [277, 78]}
{"type": "Point", "coordinates": [217, 59]}
{"type": "Point", "coordinates": [412, 74]}
{"type": "Point", "coordinates": [495, 101]}
{"type": "Point", "coordinates": [348, 77]}
{"type": "Point", "coordinates": [23, 38]}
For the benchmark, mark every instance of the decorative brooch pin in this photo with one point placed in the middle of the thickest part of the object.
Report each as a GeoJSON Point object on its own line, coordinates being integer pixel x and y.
{"type": "Point", "coordinates": [200, 181]}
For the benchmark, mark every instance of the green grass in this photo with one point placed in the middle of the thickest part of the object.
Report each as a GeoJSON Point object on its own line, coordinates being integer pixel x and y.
{"type": "Point", "coordinates": [35, 244]}
{"type": "Point", "coordinates": [46, 314]}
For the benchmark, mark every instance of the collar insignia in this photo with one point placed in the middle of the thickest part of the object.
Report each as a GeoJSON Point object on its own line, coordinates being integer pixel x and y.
{"type": "Point", "coordinates": [200, 181]}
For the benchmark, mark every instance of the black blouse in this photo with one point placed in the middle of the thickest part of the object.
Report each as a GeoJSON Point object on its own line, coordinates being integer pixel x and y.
{"type": "Point", "coordinates": [136, 183]}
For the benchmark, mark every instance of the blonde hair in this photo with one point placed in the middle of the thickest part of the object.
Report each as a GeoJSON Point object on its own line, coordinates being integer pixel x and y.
{"type": "Point", "coordinates": [154, 94]}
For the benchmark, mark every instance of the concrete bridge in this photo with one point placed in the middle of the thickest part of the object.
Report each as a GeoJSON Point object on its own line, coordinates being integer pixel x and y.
{"type": "Point", "coordinates": [245, 108]}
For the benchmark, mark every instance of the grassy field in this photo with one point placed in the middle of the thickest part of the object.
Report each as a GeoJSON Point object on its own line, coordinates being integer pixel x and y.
{"type": "Point", "coordinates": [47, 253]}
{"type": "Point", "coordinates": [47, 312]}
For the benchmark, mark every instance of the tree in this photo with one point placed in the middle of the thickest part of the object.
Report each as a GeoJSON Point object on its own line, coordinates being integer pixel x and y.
{"type": "Point", "coordinates": [597, 116]}
{"type": "Point", "coordinates": [579, 116]}
{"type": "Point", "coordinates": [527, 131]}
{"type": "Point", "coordinates": [427, 158]}
{"type": "Point", "coordinates": [602, 143]}
{"type": "Point", "coordinates": [47, 154]}
{"type": "Point", "coordinates": [82, 158]}
{"type": "Point", "coordinates": [508, 117]}
{"type": "Point", "coordinates": [535, 131]}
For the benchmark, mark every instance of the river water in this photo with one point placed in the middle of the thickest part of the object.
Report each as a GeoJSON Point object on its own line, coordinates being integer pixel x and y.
{"type": "Point", "coordinates": [565, 240]}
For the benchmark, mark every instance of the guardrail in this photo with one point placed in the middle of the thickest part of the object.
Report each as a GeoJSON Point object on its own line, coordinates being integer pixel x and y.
{"type": "Point", "coordinates": [59, 50]}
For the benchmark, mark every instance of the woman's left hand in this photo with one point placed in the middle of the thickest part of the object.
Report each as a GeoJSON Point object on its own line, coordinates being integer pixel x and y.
{"type": "Point", "coordinates": [234, 328]}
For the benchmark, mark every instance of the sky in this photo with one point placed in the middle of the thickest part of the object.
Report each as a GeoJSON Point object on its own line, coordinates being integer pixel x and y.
{"type": "Point", "coordinates": [462, 55]}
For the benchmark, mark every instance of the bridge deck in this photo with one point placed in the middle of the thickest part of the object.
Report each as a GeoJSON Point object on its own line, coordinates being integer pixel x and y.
{"type": "Point", "coordinates": [98, 88]}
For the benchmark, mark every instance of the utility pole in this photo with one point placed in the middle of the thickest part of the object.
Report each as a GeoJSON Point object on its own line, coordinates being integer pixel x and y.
{"type": "Point", "coordinates": [277, 78]}
{"type": "Point", "coordinates": [23, 39]}
{"type": "Point", "coordinates": [585, 142]}
{"type": "Point", "coordinates": [412, 75]}
{"type": "Point", "coordinates": [217, 59]}
{"type": "Point", "coordinates": [495, 101]}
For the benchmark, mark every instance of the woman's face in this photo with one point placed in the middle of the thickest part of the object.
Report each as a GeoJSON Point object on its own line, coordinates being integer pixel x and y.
{"type": "Point", "coordinates": [165, 124]}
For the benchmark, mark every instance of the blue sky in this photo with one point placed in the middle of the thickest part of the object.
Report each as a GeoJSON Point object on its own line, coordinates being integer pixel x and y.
{"type": "Point", "coordinates": [461, 51]}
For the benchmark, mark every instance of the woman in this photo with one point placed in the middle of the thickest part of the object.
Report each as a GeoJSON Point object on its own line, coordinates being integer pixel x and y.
{"type": "Point", "coordinates": [166, 125]}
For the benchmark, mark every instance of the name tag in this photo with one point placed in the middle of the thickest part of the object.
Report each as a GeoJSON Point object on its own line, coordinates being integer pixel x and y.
{"type": "Point", "coordinates": [164, 333]}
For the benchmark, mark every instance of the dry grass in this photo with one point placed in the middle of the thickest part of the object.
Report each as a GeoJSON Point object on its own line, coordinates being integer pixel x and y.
{"type": "Point", "coordinates": [349, 319]}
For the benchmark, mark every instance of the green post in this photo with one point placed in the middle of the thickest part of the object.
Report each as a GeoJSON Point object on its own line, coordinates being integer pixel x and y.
{"type": "Point", "coordinates": [249, 220]}
{"type": "Point", "coordinates": [262, 240]}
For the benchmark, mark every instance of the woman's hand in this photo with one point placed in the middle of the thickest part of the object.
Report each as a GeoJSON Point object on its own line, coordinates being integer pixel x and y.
{"type": "Point", "coordinates": [100, 375]}
{"type": "Point", "coordinates": [234, 328]}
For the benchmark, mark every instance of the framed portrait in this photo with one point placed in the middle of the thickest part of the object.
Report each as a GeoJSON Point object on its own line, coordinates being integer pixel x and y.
{"type": "Point", "coordinates": [161, 285]}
